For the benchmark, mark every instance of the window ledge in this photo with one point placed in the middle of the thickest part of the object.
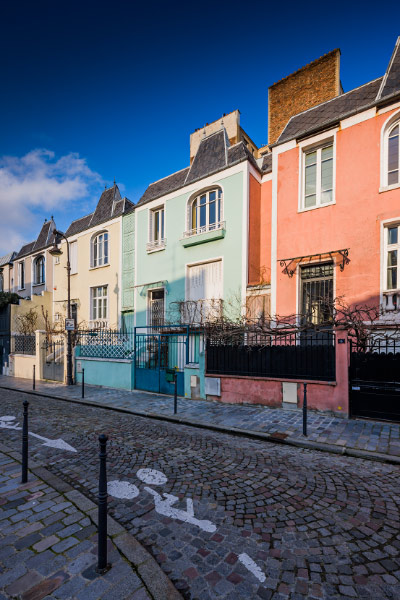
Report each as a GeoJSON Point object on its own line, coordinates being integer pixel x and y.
{"type": "Point", "coordinates": [388, 188]}
{"type": "Point", "coordinates": [156, 246]}
{"type": "Point", "coordinates": [38, 284]}
{"type": "Point", "coordinates": [94, 268]}
{"type": "Point", "coordinates": [202, 238]}
{"type": "Point", "coordinates": [301, 210]}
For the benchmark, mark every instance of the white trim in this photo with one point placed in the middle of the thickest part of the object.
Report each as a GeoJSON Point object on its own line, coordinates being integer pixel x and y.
{"type": "Point", "coordinates": [189, 231]}
{"type": "Point", "coordinates": [384, 226]}
{"type": "Point", "coordinates": [106, 318]}
{"type": "Point", "coordinates": [384, 80]}
{"type": "Point", "coordinates": [267, 177]}
{"type": "Point", "coordinates": [385, 109]}
{"type": "Point", "coordinates": [390, 121]}
{"type": "Point", "coordinates": [255, 173]}
{"type": "Point", "coordinates": [316, 143]}
{"type": "Point", "coordinates": [358, 118]}
{"type": "Point", "coordinates": [205, 262]}
{"type": "Point", "coordinates": [92, 238]}
{"type": "Point", "coordinates": [193, 187]}
{"type": "Point", "coordinates": [148, 291]}
{"type": "Point", "coordinates": [120, 275]}
{"type": "Point", "coordinates": [245, 236]}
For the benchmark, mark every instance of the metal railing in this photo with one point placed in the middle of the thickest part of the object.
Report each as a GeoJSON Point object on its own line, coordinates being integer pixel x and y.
{"type": "Point", "coordinates": [23, 344]}
{"type": "Point", "coordinates": [156, 245]}
{"type": "Point", "coordinates": [295, 355]}
{"type": "Point", "coordinates": [204, 229]}
{"type": "Point", "coordinates": [106, 343]}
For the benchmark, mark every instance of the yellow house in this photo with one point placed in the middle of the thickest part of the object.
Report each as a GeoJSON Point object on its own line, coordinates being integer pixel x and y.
{"type": "Point", "coordinates": [95, 259]}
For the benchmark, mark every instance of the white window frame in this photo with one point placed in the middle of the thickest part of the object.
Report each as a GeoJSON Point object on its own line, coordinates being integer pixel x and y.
{"type": "Point", "coordinates": [316, 143]}
{"type": "Point", "coordinates": [153, 244]}
{"type": "Point", "coordinates": [92, 245]}
{"type": "Point", "coordinates": [387, 127]}
{"type": "Point", "coordinates": [218, 224]}
{"type": "Point", "coordinates": [35, 266]}
{"type": "Point", "coordinates": [21, 267]}
{"type": "Point", "coordinates": [94, 316]}
{"type": "Point", "coordinates": [149, 292]}
{"type": "Point", "coordinates": [73, 252]}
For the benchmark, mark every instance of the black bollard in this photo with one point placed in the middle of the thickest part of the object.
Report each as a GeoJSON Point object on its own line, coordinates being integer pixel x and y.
{"type": "Point", "coordinates": [83, 383]}
{"type": "Point", "coordinates": [176, 392]}
{"type": "Point", "coordinates": [102, 566]}
{"type": "Point", "coordinates": [24, 477]}
{"type": "Point", "coordinates": [305, 411]}
{"type": "Point", "coordinates": [34, 377]}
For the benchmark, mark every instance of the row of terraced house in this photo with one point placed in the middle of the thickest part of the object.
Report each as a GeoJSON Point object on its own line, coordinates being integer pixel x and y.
{"type": "Point", "coordinates": [265, 231]}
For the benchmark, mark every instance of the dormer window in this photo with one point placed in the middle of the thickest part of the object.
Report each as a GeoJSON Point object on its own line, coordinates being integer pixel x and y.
{"type": "Point", "coordinates": [205, 212]}
{"type": "Point", "coordinates": [39, 272]}
{"type": "Point", "coordinates": [99, 250]}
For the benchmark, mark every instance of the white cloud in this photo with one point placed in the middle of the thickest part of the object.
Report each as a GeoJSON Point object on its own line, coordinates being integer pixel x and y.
{"type": "Point", "coordinates": [37, 185]}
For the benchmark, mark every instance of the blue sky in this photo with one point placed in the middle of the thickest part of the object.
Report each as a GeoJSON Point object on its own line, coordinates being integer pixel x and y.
{"type": "Point", "coordinates": [94, 90]}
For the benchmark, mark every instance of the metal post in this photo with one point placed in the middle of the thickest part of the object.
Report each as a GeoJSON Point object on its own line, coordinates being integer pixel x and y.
{"type": "Point", "coordinates": [187, 344]}
{"type": "Point", "coordinates": [83, 383]}
{"type": "Point", "coordinates": [175, 392]}
{"type": "Point", "coordinates": [24, 477]}
{"type": "Point", "coordinates": [102, 566]}
{"type": "Point", "coordinates": [305, 410]}
{"type": "Point", "coordinates": [34, 378]}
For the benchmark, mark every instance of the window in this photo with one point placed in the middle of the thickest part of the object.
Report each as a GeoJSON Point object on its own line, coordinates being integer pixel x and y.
{"type": "Point", "coordinates": [204, 291]}
{"type": "Point", "coordinates": [393, 162]}
{"type": "Point", "coordinates": [156, 229]}
{"type": "Point", "coordinates": [156, 307]}
{"type": "Point", "coordinates": [391, 274]}
{"type": "Point", "coordinates": [317, 293]}
{"type": "Point", "coordinates": [1, 281]}
{"type": "Point", "coordinates": [21, 275]}
{"type": "Point", "coordinates": [100, 250]}
{"type": "Point", "coordinates": [318, 176]}
{"type": "Point", "coordinates": [39, 273]}
{"type": "Point", "coordinates": [74, 313]}
{"type": "Point", "coordinates": [99, 302]}
{"type": "Point", "coordinates": [205, 212]}
{"type": "Point", "coordinates": [73, 257]}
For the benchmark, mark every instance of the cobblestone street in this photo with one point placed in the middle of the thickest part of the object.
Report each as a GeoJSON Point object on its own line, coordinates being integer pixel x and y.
{"type": "Point", "coordinates": [311, 524]}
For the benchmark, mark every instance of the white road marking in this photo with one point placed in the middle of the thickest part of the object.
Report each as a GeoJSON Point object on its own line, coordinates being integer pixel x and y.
{"type": "Point", "coordinates": [151, 476]}
{"type": "Point", "coordinates": [122, 489]}
{"type": "Point", "coordinates": [5, 423]}
{"type": "Point", "coordinates": [164, 507]}
{"type": "Point", "coordinates": [252, 566]}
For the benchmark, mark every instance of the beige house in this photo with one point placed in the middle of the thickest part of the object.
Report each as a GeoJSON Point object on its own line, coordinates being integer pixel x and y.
{"type": "Point", "coordinates": [95, 259]}
{"type": "Point", "coordinates": [33, 265]}
{"type": "Point", "coordinates": [6, 272]}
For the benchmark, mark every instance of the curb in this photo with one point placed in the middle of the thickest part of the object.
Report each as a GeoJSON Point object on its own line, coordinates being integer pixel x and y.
{"type": "Point", "coordinates": [153, 577]}
{"type": "Point", "coordinates": [257, 435]}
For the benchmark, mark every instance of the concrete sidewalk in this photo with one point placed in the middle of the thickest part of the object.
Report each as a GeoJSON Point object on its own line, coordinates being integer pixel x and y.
{"type": "Point", "coordinates": [375, 440]}
{"type": "Point", "coordinates": [48, 544]}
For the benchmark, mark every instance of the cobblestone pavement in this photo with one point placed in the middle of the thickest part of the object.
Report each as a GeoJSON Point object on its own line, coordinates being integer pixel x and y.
{"type": "Point", "coordinates": [316, 525]}
{"type": "Point", "coordinates": [48, 546]}
{"type": "Point", "coordinates": [364, 435]}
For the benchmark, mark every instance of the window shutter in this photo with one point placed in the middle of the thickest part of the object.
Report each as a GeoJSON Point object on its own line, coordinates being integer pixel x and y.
{"type": "Point", "coordinates": [151, 217]}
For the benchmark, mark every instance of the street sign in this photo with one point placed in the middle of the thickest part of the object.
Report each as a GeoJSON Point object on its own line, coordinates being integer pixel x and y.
{"type": "Point", "coordinates": [69, 324]}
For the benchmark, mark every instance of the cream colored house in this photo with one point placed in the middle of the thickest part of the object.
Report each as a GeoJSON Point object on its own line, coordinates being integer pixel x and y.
{"type": "Point", "coordinates": [95, 258]}
{"type": "Point", "coordinates": [6, 272]}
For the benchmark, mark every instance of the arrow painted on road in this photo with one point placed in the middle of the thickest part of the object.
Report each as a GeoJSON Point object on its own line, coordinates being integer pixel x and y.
{"type": "Point", "coordinates": [7, 422]}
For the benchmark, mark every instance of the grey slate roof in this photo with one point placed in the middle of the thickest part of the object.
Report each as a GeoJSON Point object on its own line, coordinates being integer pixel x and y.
{"type": "Point", "coordinates": [391, 80]}
{"type": "Point", "coordinates": [214, 154]}
{"type": "Point", "coordinates": [109, 206]}
{"type": "Point", "coordinates": [331, 111]}
{"type": "Point", "coordinates": [44, 239]}
{"type": "Point", "coordinates": [266, 166]}
{"type": "Point", "coordinates": [7, 259]}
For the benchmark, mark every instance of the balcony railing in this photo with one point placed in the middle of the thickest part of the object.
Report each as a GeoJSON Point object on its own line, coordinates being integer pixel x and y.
{"type": "Point", "coordinates": [204, 229]}
{"type": "Point", "coordinates": [98, 324]}
{"type": "Point", "coordinates": [156, 245]}
{"type": "Point", "coordinates": [392, 299]}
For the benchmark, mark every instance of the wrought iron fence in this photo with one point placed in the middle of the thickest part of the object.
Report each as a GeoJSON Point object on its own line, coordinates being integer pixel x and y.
{"type": "Point", "coordinates": [375, 360]}
{"type": "Point", "coordinates": [295, 355]}
{"type": "Point", "coordinates": [106, 343]}
{"type": "Point", "coordinates": [23, 344]}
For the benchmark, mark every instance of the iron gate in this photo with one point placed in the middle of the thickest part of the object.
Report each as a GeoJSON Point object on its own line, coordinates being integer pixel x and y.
{"type": "Point", "coordinates": [374, 377]}
{"type": "Point", "coordinates": [155, 353]}
{"type": "Point", "coordinates": [53, 360]}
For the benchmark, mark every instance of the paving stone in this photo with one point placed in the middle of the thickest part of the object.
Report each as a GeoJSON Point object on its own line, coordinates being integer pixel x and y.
{"type": "Point", "coordinates": [45, 543]}
{"type": "Point", "coordinates": [24, 583]}
{"type": "Point", "coordinates": [64, 544]}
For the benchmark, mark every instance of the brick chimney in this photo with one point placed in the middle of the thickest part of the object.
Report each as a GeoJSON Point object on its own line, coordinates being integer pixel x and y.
{"type": "Point", "coordinates": [317, 82]}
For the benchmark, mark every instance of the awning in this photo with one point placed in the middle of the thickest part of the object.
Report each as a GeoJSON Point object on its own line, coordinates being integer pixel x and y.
{"type": "Point", "coordinates": [289, 264]}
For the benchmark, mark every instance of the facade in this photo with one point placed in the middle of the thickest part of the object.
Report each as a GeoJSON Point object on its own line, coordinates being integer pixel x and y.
{"type": "Point", "coordinates": [191, 233]}
{"type": "Point", "coordinates": [95, 257]}
{"type": "Point", "coordinates": [33, 265]}
{"type": "Point", "coordinates": [7, 273]}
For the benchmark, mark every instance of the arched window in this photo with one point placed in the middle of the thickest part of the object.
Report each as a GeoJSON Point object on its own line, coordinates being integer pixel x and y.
{"type": "Point", "coordinates": [39, 275]}
{"type": "Point", "coordinates": [205, 212]}
{"type": "Point", "coordinates": [393, 163]}
{"type": "Point", "coordinates": [99, 252]}
{"type": "Point", "coordinates": [390, 152]}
